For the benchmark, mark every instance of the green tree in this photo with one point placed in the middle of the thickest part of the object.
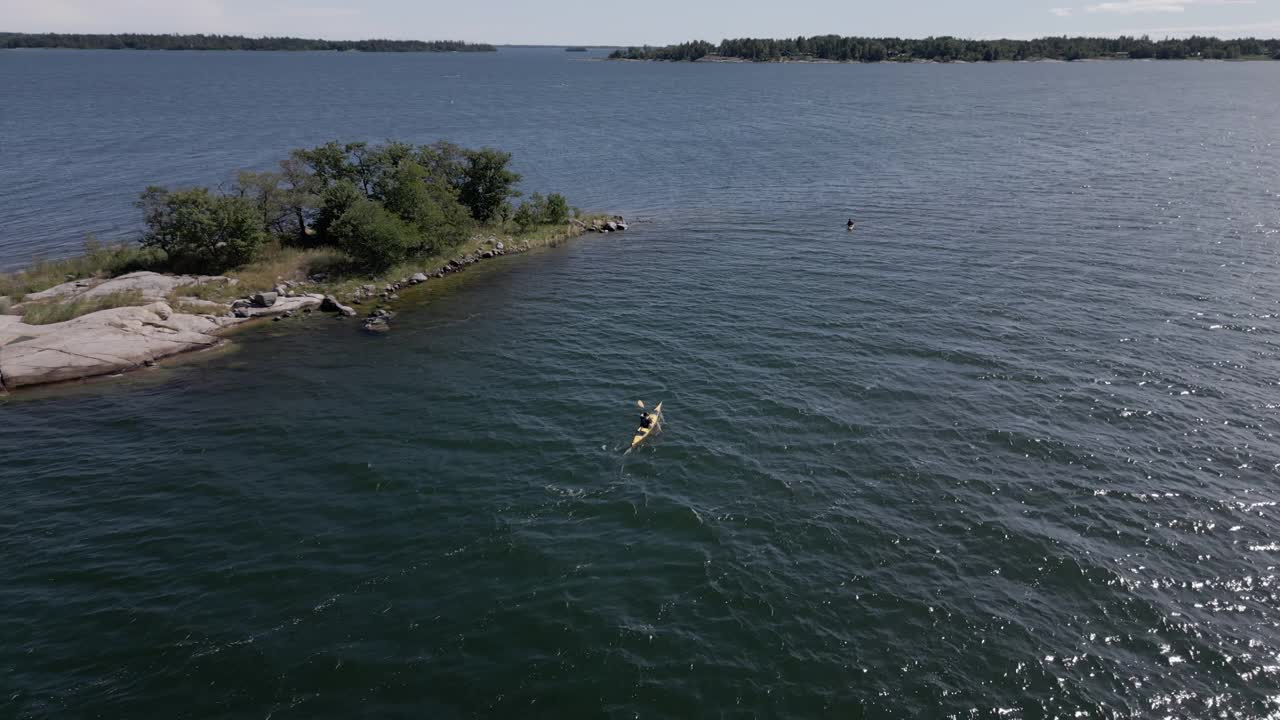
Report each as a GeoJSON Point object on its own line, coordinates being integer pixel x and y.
{"type": "Point", "coordinates": [432, 208]}
{"type": "Point", "coordinates": [487, 183]}
{"type": "Point", "coordinates": [445, 162]}
{"type": "Point", "coordinates": [303, 193]}
{"type": "Point", "coordinates": [373, 236]}
{"type": "Point", "coordinates": [327, 163]}
{"type": "Point", "coordinates": [272, 200]}
{"type": "Point", "coordinates": [334, 202]}
{"type": "Point", "coordinates": [199, 231]}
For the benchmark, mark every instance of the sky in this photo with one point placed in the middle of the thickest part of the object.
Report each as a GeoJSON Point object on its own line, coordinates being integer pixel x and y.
{"type": "Point", "coordinates": [637, 22]}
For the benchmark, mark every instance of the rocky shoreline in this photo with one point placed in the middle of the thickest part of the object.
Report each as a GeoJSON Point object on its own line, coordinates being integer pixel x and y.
{"type": "Point", "coordinates": [117, 340]}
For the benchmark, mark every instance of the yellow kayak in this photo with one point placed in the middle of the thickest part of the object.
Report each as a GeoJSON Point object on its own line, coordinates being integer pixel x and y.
{"type": "Point", "coordinates": [642, 433]}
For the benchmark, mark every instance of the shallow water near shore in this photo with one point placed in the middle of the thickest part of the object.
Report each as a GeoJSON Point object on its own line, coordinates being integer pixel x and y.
{"type": "Point", "coordinates": [1006, 450]}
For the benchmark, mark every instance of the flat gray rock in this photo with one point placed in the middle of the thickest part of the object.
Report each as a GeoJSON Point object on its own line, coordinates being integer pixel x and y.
{"type": "Point", "coordinates": [153, 286]}
{"type": "Point", "coordinates": [283, 305]}
{"type": "Point", "coordinates": [203, 307]}
{"type": "Point", "coordinates": [101, 343]}
{"type": "Point", "coordinates": [68, 289]}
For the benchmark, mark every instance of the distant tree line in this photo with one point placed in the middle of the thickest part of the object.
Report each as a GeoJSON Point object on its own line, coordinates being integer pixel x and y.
{"type": "Point", "coordinates": [380, 204]}
{"type": "Point", "coordinates": [950, 49]}
{"type": "Point", "coordinates": [133, 41]}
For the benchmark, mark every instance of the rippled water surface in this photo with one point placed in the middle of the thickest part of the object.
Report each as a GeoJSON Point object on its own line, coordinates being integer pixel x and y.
{"type": "Point", "coordinates": [1007, 450]}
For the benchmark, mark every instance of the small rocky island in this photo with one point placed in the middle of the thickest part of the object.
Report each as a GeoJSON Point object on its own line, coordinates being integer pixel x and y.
{"type": "Point", "coordinates": [312, 244]}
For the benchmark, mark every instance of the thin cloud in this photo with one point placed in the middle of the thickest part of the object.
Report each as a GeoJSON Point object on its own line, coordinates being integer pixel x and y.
{"type": "Point", "coordinates": [1062, 12]}
{"type": "Point", "coordinates": [1225, 31]}
{"type": "Point", "coordinates": [1140, 7]}
{"type": "Point", "coordinates": [316, 12]}
{"type": "Point", "coordinates": [87, 15]}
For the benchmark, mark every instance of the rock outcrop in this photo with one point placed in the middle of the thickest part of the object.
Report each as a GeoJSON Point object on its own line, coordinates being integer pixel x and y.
{"type": "Point", "coordinates": [196, 306]}
{"type": "Point", "coordinates": [100, 343]}
{"type": "Point", "coordinates": [153, 286]}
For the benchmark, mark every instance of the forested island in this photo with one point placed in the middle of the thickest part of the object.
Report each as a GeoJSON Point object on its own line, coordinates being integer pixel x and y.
{"type": "Point", "coordinates": [136, 41]}
{"type": "Point", "coordinates": [835, 48]}
{"type": "Point", "coordinates": [335, 226]}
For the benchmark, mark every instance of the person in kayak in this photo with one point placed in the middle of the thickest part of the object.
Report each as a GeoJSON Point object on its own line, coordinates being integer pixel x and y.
{"type": "Point", "coordinates": [646, 420]}
{"type": "Point", "coordinates": [849, 225]}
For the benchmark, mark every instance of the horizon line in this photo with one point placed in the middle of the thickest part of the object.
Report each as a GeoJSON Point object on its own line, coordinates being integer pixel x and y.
{"type": "Point", "coordinates": [1027, 38]}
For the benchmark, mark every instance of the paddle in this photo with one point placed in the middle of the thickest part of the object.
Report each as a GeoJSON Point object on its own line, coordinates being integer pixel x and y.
{"type": "Point", "coordinates": [640, 403]}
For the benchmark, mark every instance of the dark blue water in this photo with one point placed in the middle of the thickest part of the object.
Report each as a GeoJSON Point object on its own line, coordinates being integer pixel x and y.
{"type": "Point", "coordinates": [1007, 450]}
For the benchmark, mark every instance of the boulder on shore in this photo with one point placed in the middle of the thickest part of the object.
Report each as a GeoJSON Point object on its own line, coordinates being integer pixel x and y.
{"type": "Point", "coordinates": [265, 299]}
{"type": "Point", "coordinates": [281, 306]}
{"type": "Point", "coordinates": [331, 304]}
{"type": "Point", "coordinates": [377, 324]}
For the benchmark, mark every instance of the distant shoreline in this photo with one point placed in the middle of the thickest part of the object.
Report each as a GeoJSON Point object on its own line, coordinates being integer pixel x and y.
{"type": "Point", "coordinates": [719, 60]}
{"type": "Point", "coordinates": [224, 43]}
{"type": "Point", "coordinates": [834, 48]}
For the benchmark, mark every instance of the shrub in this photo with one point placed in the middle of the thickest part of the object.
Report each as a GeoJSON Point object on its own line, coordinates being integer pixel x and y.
{"type": "Point", "coordinates": [555, 210]}
{"type": "Point", "coordinates": [373, 236]}
{"type": "Point", "coordinates": [529, 213]}
{"type": "Point", "coordinates": [199, 231]}
{"type": "Point", "coordinates": [538, 210]}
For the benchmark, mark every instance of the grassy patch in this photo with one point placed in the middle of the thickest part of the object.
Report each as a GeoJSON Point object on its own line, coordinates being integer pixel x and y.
{"type": "Point", "coordinates": [5, 304]}
{"type": "Point", "coordinates": [98, 260]}
{"type": "Point", "coordinates": [275, 264]}
{"type": "Point", "coordinates": [53, 312]}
